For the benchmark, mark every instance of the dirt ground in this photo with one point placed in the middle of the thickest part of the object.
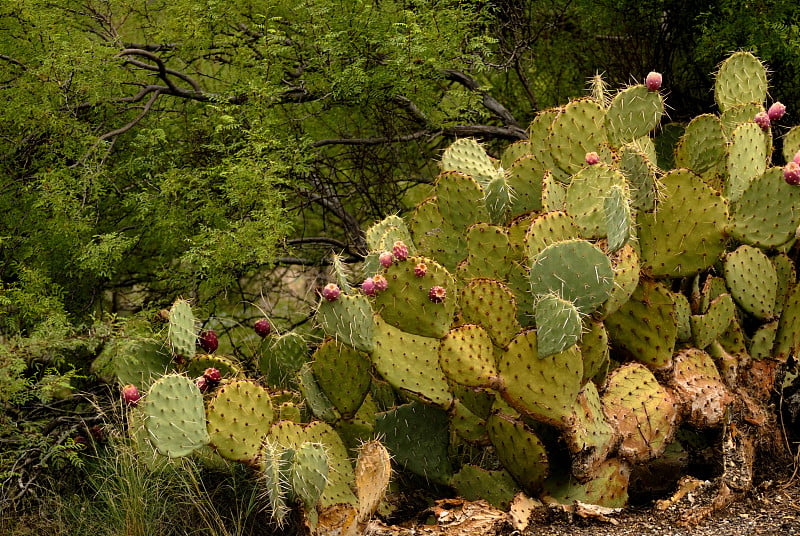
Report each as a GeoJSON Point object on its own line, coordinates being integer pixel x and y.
{"type": "Point", "coordinates": [772, 508]}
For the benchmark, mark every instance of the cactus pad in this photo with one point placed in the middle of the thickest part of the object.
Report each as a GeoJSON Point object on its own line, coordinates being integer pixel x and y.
{"type": "Point", "coordinates": [575, 270]}
{"type": "Point", "coordinates": [644, 413]}
{"type": "Point", "coordinates": [239, 416]}
{"type": "Point", "coordinates": [176, 418]}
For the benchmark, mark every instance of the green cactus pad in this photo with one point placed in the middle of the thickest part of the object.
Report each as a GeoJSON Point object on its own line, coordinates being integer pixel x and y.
{"type": "Point", "coordinates": [645, 327]}
{"type": "Point", "coordinates": [633, 113]}
{"type": "Point", "coordinates": [625, 263]}
{"type": "Point", "coordinates": [489, 253]}
{"type": "Point", "coordinates": [309, 474]}
{"type": "Point", "coordinates": [706, 328]}
{"type": "Point", "coordinates": [466, 425]}
{"type": "Point", "coordinates": [274, 477]}
{"type": "Point", "coordinates": [411, 363]}
{"type": "Point", "coordinates": [175, 416]}
{"type": "Point", "coordinates": [594, 349]}
{"type": "Point", "coordinates": [547, 229]}
{"type": "Point", "coordinates": [436, 237]}
{"type": "Point", "coordinates": [340, 475]}
{"type": "Point", "coordinates": [343, 374]}
{"type": "Point", "coordinates": [417, 436]}
{"type": "Point", "coordinates": [182, 333]}
{"type": "Point", "coordinates": [608, 487]}
{"type": "Point", "coordinates": [239, 416]}
{"type": "Point", "coordinates": [382, 235]}
{"type": "Point", "coordinates": [543, 388]}
{"type": "Point", "coordinates": [683, 314]}
{"type": "Point", "coordinates": [460, 200]}
{"type": "Point", "coordinates": [644, 413]}
{"type": "Point", "coordinates": [738, 115]}
{"type": "Point", "coordinates": [586, 196]}
{"type": "Point", "coordinates": [787, 275]}
{"type": "Point", "coordinates": [767, 213]}
{"type": "Point", "coordinates": [315, 398]}
{"type": "Point", "coordinates": [466, 356]}
{"type": "Point", "coordinates": [589, 437]}
{"type": "Point", "coordinates": [576, 270]}
{"type": "Point", "coordinates": [791, 143]}
{"type": "Point", "coordinates": [499, 198]}
{"type": "Point", "coordinates": [577, 129]}
{"type": "Point", "coordinates": [497, 487]}
{"type": "Point", "coordinates": [554, 193]}
{"type": "Point", "coordinates": [787, 340]}
{"type": "Point", "coordinates": [703, 144]}
{"type": "Point", "coordinates": [741, 79]}
{"type": "Point", "coordinates": [713, 287]}
{"type": "Point", "coordinates": [515, 151]}
{"type": "Point", "coordinates": [695, 237]}
{"type": "Point", "coordinates": [348, 319]}
{"type": "Point", "coordinates": [748, 152]}
{"type": "Point", "coordinates": [141, 361]}
{"type": "Point", "coordinates": [406, 303]}
{"type": "Point", "coordinates": [700, 388]}
{"type": "Point", "coordinates": [525, 179]}
{"type": "Point", "coordinates": [640, 173]}
{"type": "Point", "coordinates": [752, 280]}
{"type": "Point", "coordinates": [539, 133]}
{"type": "Point", "coordinates": [520, 451]}
{"type": "Point", "coordinates": [227, 366]}
{"type": "Point", "coordinates": [281, 357]}
{"type": "Point", "coordinates": [558, 324]}
{"type": "Point", "coordinates": [468, 157]}
{"type": "Point", "coordinates": [617, 214]}
{"type": "Point", "coordinates": [763, 340]}
{"type": "Point", "coordinates": [492, 305]}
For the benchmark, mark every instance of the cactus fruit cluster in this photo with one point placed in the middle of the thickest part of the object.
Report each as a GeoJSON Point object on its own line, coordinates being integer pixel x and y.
{"type": "Point", "coordinates": [553, 321]}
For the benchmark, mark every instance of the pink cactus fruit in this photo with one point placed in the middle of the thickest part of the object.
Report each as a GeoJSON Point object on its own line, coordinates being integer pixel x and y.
{"type": "Point", "coordinates": [203, 384]}
{"type": "Point", "coordinates": [796, 158]}
{"type": "Point", "coordinates": [776, 111]}
{"type": "Point", "coordinates": [380, 283]}
{"type": "Point", "coordinates": [386, 259]}
{"type": "Point", "coordinates": [331, 292]}
{"type": "Point", "coordinates": [791, 173]}
{"type": "Point", "coordinates": [400, 250]}
{"type": "Point", "coordinates": [130, 395]}
{"type": "Point", "coordinates": [368, 286]}
{"type": "Point", "coordinates": [209, 341]}
{"type": "Point", "coordinates": [592, 158]}
{"type": "Point", "coordinates": [653, 81]}
{"type": "Point", "coordinates": [437, 294]}
{"type": "Point", "coordinates": [420, 269]}
{"type": "Point", "coordinates": [762, 119]}
{"type": "Point", "coordinates": [262, 327]}
{"type": "Point", "coordinates": [212, 374]}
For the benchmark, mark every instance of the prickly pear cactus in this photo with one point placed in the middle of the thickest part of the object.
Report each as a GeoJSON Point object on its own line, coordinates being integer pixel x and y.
{"type": "Point", "coordinates": [549, 318]}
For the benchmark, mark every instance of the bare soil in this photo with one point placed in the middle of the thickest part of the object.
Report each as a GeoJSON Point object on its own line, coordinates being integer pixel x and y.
{"type": "Point", "coordinates": [771, 508]}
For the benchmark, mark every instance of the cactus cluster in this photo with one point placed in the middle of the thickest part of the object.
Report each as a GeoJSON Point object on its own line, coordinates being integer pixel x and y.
{"type": "Point", "coordinates": [584, 294]}
{"type": "Point", "coordinates": [551, 321]}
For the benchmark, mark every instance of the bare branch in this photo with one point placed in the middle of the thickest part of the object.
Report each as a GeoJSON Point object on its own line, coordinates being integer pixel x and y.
{"type": "Point", "coordinates": [489, 102]}
{"type": "Point", "coordinates": [374, 141]}
{"type": "Point", "coordinates": [135, 120]}
{"type": "Point", "coordinates": [160, 67]}
{"type": "Point", "coordinates": [11, 60]}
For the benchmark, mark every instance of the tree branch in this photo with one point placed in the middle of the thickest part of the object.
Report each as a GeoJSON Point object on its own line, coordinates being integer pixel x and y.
{"type": "Point", "coordinates": [489, 102]}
